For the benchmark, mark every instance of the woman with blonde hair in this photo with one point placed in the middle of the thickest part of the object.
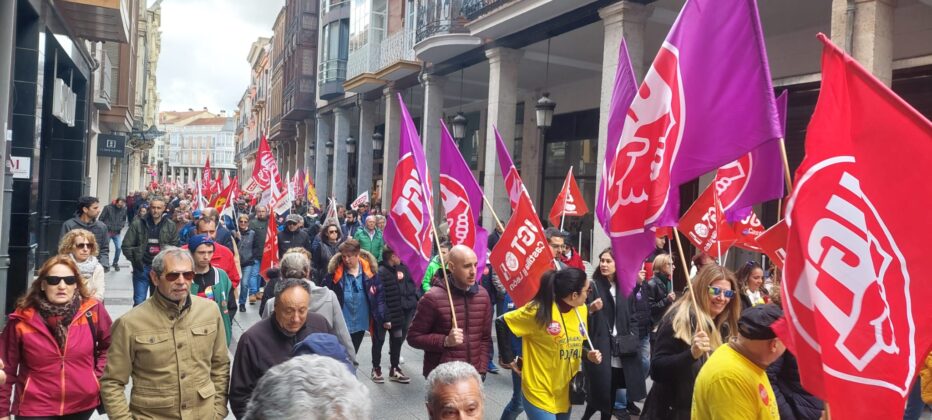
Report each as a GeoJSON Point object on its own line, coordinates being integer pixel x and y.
{"type": "Point", "coordinates": [660, 294]}
{"type": "Point", "coordinates": [81, 246]}
{"type": "Point", "coordinates": [694, 326]}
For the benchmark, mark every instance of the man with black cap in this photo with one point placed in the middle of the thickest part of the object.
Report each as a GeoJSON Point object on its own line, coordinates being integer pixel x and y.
{"type": "Point", "coordinates": [733, 383]}
{"type": "Point", "coordinates": [293, 236]}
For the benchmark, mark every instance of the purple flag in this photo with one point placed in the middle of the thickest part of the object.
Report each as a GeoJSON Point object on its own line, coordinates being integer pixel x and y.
{"type": "Point", "coordinates": [754, 178]}
{"type": "Point", "coordinates": [622, 95]}
{"type": "Point", "coordinates": [513, 183]}
{"type": "Point", "coordinates": [706, 100]}
{"type": "Point", "coordinates": [462, 200]}
{"type": "Point", "coordinates": [409, 221]}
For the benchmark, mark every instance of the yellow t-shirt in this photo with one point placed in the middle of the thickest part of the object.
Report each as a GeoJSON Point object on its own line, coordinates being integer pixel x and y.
{"type": "Point", "coordinates": [552, 355]}
{"type": "Point", "coordinates": [729, 386]}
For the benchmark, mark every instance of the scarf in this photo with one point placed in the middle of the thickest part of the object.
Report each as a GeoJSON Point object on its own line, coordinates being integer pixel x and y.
{"type": "Point", "coordinates": [87, 267]}
{"type": "Point", "coordinates": [58, 317]}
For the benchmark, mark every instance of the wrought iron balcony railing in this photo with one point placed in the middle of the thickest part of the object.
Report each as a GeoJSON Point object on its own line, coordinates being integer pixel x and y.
{"type": "Point", "coordinates": [473, 9]}
{"type": "Point", "coordinates": [440, 17]}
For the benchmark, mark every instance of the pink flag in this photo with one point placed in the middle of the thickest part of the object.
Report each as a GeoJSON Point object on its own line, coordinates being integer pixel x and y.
{"type": "Point", "coordinates": [462, 200]}
{"type": "Point", "coordinates": [410, 224]}
{"type": "Point", "coordinates": [513, 184]}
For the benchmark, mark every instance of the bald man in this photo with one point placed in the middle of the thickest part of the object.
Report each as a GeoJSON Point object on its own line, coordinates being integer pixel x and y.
{"type": "Point", "coordinates": [432, 329]}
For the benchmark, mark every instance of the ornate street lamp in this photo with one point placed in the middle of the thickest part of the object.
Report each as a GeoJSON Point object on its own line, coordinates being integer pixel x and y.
{"type": "Point", "coordinates": [459, 126]}
{"type": "Point", "coordinates": [329, 148]}
{"type": "Point", "coordinates": [377, 141]}
{"type": "Point", "coordinates": [350, 145]}
{"type": "Point", "coordinates": [544, 111]}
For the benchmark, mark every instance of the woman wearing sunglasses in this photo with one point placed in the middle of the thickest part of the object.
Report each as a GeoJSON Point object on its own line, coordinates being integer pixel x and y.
{"type": "Point", "coordinates": [81, 245]}
{"type": "Point", "coordinates": [323, 248]}
{"type": "Point", "coordinates": [681, 346]}
{"type": "Point", "coordinates": [54, 347]}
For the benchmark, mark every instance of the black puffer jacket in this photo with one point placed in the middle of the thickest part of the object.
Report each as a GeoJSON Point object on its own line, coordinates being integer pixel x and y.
{"type": "Point", "coordinates": [657, 292]}
{"type": "Point", "coordinates": [399, 292]}
{"type": "Point", "coordinates": [296, 239]}
{"type": "Point", "coordinates": [793, 401]}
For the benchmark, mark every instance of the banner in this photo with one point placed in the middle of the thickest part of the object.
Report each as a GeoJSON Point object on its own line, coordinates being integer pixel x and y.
{"type": "Point", "coordinates": [522, 255]}
{"type": "Point", "coordinates": [855, 286]}
{"type": "Point", "coordinates": [265, 170]}
{"type": "Point", "coordinates": [569, 202]}
{"type": "Point", "coordinates": [706, 100]}
{"type": "Point", "coordinates": [270, 250]}
{"type": "Point", "coordinates": [363, 198]}
{"type": "Point", "coordinates": [311, 191]}
{"type": "Point", "coordinates": [462, 200]}
{"type": "Point", "coordinates": [332, 215]}
{"type": "Point", "coordinates": [409, 225]}
{"type": "Point", "coordinates": [207, 181]}
{"type": "Point", "coordinates": [773, 243]}
{"type": "Point", "coordinates": [281, 200]}
{"type": "Point", "coordinates": [220, 201]}
{"type": "Point", "coordinates": [704, 225]}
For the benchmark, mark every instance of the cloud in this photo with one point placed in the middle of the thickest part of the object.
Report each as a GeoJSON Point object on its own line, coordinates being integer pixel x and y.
{"type": "Point", "coordinates": [204, 47]}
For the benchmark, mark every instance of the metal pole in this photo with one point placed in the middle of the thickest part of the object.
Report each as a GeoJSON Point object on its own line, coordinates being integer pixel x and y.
{"type": "Point", "coordinates": [7, 23]}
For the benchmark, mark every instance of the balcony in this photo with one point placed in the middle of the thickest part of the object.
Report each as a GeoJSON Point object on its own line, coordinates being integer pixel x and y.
{"type": "Point", "coordinates": [441, 31]}
{"type": "Point", "coordinates": [361, 68]}
{"type": "Point", "coordinates": [103, 80]}
{"type": "Point", "coordinates": [498, 18]}
{"type": "Point", "coordinates": [97, 20]}
{"type": "Point", "coordinates": [331, 74]}
{"type": "Point", "coordinates": [397, 58]}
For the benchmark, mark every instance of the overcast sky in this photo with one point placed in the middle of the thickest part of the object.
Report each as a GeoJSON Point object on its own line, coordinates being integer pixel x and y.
{"type": "Point", "coordinates": [204, 47]}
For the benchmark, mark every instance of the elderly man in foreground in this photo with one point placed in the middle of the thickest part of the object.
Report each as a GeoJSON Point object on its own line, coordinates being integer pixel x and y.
{"type": "Point", "coordinates": [454, 390]}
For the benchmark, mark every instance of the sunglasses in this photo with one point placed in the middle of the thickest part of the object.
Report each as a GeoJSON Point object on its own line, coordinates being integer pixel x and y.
{"type": "Point", "coordinates": [84, 246]}
{"type": "Point", "coordinates": [188, 275]}
{"type": "Point", "coordinates": [54, 280]}
{"type": "Point", "coordinates": [715, 291]}
{"type": "Point", "coordinates": [331, 231]}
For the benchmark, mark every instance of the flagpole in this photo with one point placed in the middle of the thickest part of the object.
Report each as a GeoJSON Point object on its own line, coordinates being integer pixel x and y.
{"type": "Point", "coordinates": [495, 216]}
{"type": "Point", "coordinates": [689, 284]}
{"type": "Point", "coordinates": [786, 166]}
{"type": "Point", "coordinates": [565, 194]}
{"type": "Point", "coordinates": [443, 264]}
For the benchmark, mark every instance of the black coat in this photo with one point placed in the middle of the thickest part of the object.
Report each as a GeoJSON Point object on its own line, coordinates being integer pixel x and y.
{"type": "Point", "coordinates": [613, 315]}
{"type": "Point", "coordinates": [657, 292]}
{"type": "Point", "coordinates": [674, 371]}
{"type": "Point", "coordinates": [640, 309]}
{"type": "Point", "coordinates": [400, 294]}
{"type": "Point", "coordinates": [794, 402]}
{"type": "Point", "coordinates": [296, 239]}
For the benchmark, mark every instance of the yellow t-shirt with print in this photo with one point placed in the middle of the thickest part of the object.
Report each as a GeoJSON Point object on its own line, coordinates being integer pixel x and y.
{"type": "Point", "coordinates": [730, 386]}
{"type": "Point", "coordinates": [552, 354]}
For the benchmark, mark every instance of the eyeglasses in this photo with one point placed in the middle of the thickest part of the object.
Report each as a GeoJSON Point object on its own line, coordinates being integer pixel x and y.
{"type": "Point", "coordinates": [188, 275]}
{"type": "Point", "coordinates": [85, 245]}
{"type": "Point", "coordinates": [715, 291]}
{"type": "Point", "coordinates": [331, 231]}
{"type": "Point", "coordinates": [54, 280]}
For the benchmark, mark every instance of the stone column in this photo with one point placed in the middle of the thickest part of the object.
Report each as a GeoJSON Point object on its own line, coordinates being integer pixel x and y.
{"type": "Point", "coordinates": [367, 116]}
{"type": "Point", "coordinates": [503, 92]}
{"type": "Point", "coordinates": [341, 131]}
{"type": "Point", "coordinates": [322, 182]}
{"type": "Point", "coordinates": [532, 152]}
{"type": "Point", "coordinates": [430, 132]}
{"type": "Point", "coordinates": [865, 29]}
{"type": "Point", "coordinates": [310, 142]}
{"type": "Point", "coordinates": [390, 144]}
{"type": "Point", "coordinates": [627, 19]}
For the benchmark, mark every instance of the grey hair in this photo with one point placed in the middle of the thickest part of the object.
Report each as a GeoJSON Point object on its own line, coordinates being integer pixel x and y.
{"type": "Point", "coordinates": [450, 373]}
{"type": "Point", "coordinates": [288, 283]}
{"type": "Point", "coordinates": [175, 253]}
{"type": "Point", "coordinates": [310, 387]}
{"type": "Point", "coordinates": [295, 265]}
{"type": "Point", "coordinates": [553, 232]}
{"type": "Point", "coordinates": [374, 217]}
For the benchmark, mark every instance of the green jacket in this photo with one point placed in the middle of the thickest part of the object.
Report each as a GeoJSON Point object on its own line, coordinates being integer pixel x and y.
{"type": "Point", "coordinates": [431, 270]}
{"type": "Point", "coordinates": [374, 245]}
{"type": "Point", "coordinates": [221, 291]}
{"type": "Point", "coordinates": [137, 236]}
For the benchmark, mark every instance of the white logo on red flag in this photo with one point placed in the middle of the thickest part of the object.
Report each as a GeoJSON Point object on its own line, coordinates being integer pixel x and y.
{"type": "Point", "coordinates": [851, 274]}
{"type": "Point", "coordinates": [522, 254]}
{"type": "Point", "coordinates": [704, 225]}
{"type": "Point", "coordinates": [652, 132]}
{"type": "Point", "coordinates": [732, 179]}
{"type": "Point", "coordinates": [459, 214]}
{"type": "Point", "coordinates": [407, 214]}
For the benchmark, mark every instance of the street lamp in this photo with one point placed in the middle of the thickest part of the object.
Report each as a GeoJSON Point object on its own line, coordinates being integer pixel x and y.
{"type": "Point", "coordinates": [544, 111]}
{"type": "Point", "coordinates": [312, 152]}
{"type": "Point", "coordinates": [329, 148]}
{"type": "Point", "coordinates": [350, 145]}
{"type": "Point", "coordinates": [459, 126]}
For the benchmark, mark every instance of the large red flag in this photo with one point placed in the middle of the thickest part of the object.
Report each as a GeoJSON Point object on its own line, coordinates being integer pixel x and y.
{"type": "Point", "coordinates": [522, 254]}
{"type": "Point", "coordinates": [569, 202]}
{"type": "Point", "coordinates": [207, 182]}
{"type": "Point", "coordinates": [270, 251]}
{"type": "Point", "coordinates": [265, 170]}
{"type": "Point", "coordinates": [773, 243]}
{"type": "Point", "coordinates": [221, 200]}
{"type": "Point", "coordinates": [704, 225]}
{"type": "Point", "coordinates": [746, 231]}
{"type": "Point", "coordinates": [854, 285]}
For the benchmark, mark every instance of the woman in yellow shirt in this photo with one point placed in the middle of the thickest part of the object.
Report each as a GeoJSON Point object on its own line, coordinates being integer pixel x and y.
{"type": "Point", "coordinates": [552, 327]}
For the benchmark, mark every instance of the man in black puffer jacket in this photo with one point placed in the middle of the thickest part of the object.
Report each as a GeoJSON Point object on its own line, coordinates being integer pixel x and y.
{"type": "Point", "coordinates": [400, 294]}
{"type": "Point", "coordinates": [293, 236]}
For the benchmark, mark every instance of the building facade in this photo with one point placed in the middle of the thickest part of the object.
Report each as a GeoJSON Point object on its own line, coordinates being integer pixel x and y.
{"type": "Point", "coordinates": [192, 137]}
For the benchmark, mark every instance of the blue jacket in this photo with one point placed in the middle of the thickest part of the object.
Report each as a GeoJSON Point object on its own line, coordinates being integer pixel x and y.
{"type": "Point", "coordinates": [335, 280]}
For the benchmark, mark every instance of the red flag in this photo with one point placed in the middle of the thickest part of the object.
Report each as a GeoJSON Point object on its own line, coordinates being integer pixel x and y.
{"type": "Point", "coordinates": [522, 254]}
{"type": "Point", "coordinates": [746, 231]}
{"type": "Point", "coordinates": [773, 243]}
{"type": "Point", "coordinates": [270, 251]}
{"type": "Point", "coordinates": [221, 200]}
{"type": "Point", "coordinates": [569, 202]}
{"type": "Point", "coordinates": [207, 184]}
{"type": "Point", "coordinates": [704, 225]}
{"type": "Point", "coordinates": [855, 286]}
{"type": "Point", "coordinates": [265, 170]}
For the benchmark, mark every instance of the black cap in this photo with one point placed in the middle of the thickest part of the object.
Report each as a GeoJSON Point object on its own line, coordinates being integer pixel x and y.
{"type": "Point", "coordinates": [755, 321]}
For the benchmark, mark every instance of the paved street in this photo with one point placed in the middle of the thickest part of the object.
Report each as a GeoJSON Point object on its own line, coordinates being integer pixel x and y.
{"type": "Point", "coordinates": [389, 400]}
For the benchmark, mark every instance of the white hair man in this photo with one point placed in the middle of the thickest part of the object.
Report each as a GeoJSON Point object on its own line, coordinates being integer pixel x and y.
{"type": "Point", "coordinates": [309, 387]}
{"type": "Point", "coordinates": [454, 390]}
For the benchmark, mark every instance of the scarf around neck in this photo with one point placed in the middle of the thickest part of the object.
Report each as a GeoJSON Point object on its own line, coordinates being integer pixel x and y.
{"type": "Point", "coordinates": [58, 317]}
{"type": "Point", "coordinates": [87, 267]}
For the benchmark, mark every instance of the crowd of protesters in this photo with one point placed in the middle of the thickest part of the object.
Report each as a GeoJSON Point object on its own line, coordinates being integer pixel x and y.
{"type": "Point", "coordinates": [707, 348]}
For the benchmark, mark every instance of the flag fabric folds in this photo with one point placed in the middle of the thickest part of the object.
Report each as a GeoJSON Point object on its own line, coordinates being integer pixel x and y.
{"type": "Point", "coordinates": [462, 200]}
{"type": "Point", "coordinates": [409, 219]}
{"type": "Point", "coordinates": [311, 191]}
{"type": "Point", "coordinates": [265, 170]}
{"type": "Point", "coordinates": [569, 201]}
{"type": "Point", "coordinates": [514, 186]}
{"type": "Point", "coordinates": [855, 288]}
{"type": "Point", "coordinates": [706, 100]}
{"type": "Point", "coordinates": [363, 198]}
{"type": "Point", "coordinates": [773, 243]}
{"type": "Point", "coordinates": [704, 225]}
{"type": "Point", "coordinates": [522, 255]}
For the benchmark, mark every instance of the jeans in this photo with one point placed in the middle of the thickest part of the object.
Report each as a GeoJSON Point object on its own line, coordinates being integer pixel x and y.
{"type": "Point", "coordinates": [117, 242]}
{"type": "Point", "coordinates": [250, 285]}
{"type": "Point", "coordinates": [914, 403]}
{"type": "Point", "coordinates": [141, 285]}
{"type": "Point", "coordinates": [536, 413]}
{"type": "Point", "coordinates": [515, 407]}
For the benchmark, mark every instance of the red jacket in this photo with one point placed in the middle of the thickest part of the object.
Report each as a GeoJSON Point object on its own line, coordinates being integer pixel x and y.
{"type": "Point", "coordinates": [52, 382]}
{"type": "Point", "coordinates": [432, 322]}
{"type": "Point", "coordinates": [574, 260]}
{"type": "Point", "coordinates": [225, 260]}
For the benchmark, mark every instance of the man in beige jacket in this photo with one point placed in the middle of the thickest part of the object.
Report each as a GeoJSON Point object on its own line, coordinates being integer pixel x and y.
{"type": "Point", "coordinates": [173, 346]}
